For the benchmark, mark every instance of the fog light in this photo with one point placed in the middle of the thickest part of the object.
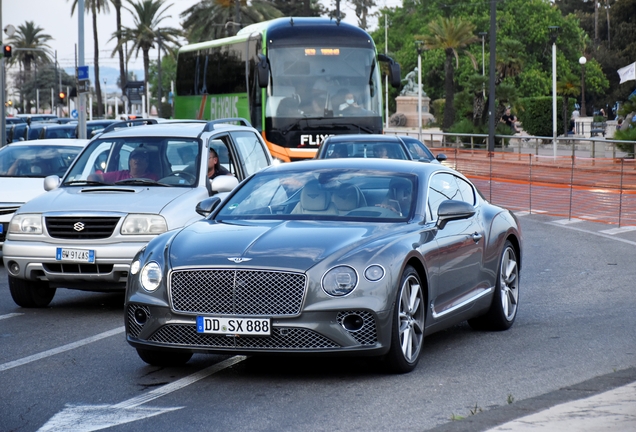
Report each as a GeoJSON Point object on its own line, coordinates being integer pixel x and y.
{"type": "Point", "coordinates": [352, 322]}
{"type": "Point", "coordinates": [140, 316]}
{"type": "Point", "coordinates": [14, 268]}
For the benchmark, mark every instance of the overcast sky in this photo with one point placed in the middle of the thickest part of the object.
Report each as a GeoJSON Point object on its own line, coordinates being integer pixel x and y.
{"type": "Point", "coordinates": [54, 17]}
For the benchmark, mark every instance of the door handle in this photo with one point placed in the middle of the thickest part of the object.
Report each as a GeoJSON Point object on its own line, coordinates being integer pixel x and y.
{"type": "Point", "coordinates": [477, 237]}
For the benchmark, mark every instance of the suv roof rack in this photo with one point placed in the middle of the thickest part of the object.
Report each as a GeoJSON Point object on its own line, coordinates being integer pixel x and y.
{"type": "Point", "coordinates": [210, 125]}
{"type": "Point", "coordinates": [128, 123]}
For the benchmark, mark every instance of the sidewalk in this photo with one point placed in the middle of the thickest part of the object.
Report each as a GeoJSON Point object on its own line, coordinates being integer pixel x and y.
{"type": "Point", "coordinates": [605, 403]}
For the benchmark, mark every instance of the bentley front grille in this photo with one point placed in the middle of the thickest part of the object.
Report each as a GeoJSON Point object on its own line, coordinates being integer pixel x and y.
{"type": "Point", "coordinates": [281, 338]}
{"type": "Point", "coordinates": [80, 228]}
{"type": "Point", "coordinates": [237, 292]}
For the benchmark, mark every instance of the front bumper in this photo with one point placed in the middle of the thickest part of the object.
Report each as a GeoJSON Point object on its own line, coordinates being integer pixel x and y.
{"type": "Point", "coordinates": [35, 260]}
{"type": "Point", "coordinates": [311, 332]}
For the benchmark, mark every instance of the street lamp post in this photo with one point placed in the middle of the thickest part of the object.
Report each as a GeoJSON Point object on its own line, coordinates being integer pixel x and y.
{"type": "Point", "coordinates": [554, 32]}
{"type": "Point", "coordinates": [582, 62]}
{"type": "Point", "coordinates": [483, 60]}
{"type": "Point", "coordinates": [420, 48]}
{"type": "Point", "coordinates": [105, 99]}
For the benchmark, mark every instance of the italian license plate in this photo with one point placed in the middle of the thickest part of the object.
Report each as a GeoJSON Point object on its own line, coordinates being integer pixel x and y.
{"type": "Point", "coordinates": [233, 326]}
{"type": "Point", "coordinates": [75, 255]}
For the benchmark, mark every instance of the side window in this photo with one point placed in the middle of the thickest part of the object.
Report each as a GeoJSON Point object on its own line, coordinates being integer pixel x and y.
{"type": "Point", "coordinates": [442, 187]}
{"type": "Point", "coordinates": [466, 190]}
{"type": "Point", "coordinates": [220, 146]}
{"type": "Point", "coordinates": [251, 150]}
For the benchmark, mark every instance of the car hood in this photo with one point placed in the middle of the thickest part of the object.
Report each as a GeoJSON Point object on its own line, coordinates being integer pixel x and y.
{"type": "Point", "coordinates": [295, 245]}
{"type": "Point", "coordinates": [125, 199]}
{"type": "Point", "coordinates": [20, 189]}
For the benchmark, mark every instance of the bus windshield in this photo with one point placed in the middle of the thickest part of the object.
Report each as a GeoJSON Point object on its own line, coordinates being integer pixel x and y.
{"type": "Point", "coordinates": [323, 81]}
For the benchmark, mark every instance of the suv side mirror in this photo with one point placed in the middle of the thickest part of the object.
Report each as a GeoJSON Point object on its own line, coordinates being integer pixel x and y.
{"type": "Point", "coordinates": [51, 182]}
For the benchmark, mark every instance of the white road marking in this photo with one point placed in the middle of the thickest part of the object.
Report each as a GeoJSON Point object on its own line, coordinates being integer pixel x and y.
{"type": "Point", "coordinates": [620, 230]}
{"type": "Point", "coordinates": [11, 315]}
{"type": "Point", "coordinates": [67, 347]}
{"type": "Point", "coordinates": [596, 233]}
{"type": "Point", "coordinates": [95, 417]}
{"type": "Point", "coordinates": [567, 221]}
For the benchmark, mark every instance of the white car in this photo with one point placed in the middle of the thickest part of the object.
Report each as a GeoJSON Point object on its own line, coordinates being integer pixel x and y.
{"type": "Point", "coordinates": [23, 166]}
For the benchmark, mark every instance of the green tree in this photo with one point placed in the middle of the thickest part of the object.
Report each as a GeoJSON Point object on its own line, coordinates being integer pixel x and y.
{"type": "Point", "coordinates": [215, 19]}
{"type": "Point", "coordinates": [568, 86]}
{"type": "Point", "coordinates": [450, 35]}
{"type": "Point", "coordinates": [147, 31]}
{"type": "Point", "coordinates": [94, 7]}
{"type": "Point", "coordinates": [168, 75]}
{"type": "Point", "coordinates": [31, 46]}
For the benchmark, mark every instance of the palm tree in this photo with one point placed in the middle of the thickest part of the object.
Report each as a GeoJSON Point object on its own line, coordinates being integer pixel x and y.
{"type": "Point", "coordinates": [450, 34]}
{"type": "Point", "coordinates": [120, 50]}
{"type": "Point", "coordinates": [214, 19]}
{"type": "Point", "coordinates": [31, 48]}
{"type": "Point", "coordinates": [147, 16]}
{"type": "Point", "coordinates": [568, 86]}
{"type": "Point", "coordinates": [94, 7]}
{"type": "Point", "coordinates": [509, 60]}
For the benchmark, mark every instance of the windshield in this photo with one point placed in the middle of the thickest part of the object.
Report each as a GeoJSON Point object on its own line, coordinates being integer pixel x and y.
{"type": "Point", "coordinates": [36, 160]}
{"type": "Point", "coordinates": [323, 81]}
{"type": "Point", "coordinates": [363, 149]}
{"type": "Point", "coordinates": [165, 161]}
{"type": "Point", "coordinates": [345, 194]}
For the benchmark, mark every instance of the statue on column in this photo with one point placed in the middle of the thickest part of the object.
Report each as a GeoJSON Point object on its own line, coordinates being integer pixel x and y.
{"type": "Point", "coordinates": [410, 88]}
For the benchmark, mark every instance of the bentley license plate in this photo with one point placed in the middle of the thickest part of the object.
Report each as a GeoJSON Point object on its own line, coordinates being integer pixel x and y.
{"type": "Point", "coordinates": [75, 255]}
{"type": "Point", "coordinates": [233, 326]}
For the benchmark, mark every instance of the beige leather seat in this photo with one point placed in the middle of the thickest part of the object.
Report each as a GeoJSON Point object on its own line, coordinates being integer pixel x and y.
{"type": "Point", "coordinates": [315, 200]}
{"type": "Point", "coordinates": [348, 197]}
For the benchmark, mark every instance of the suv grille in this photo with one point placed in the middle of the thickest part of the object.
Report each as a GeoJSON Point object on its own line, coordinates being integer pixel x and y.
{"type": "Point", "coordinates": [80, 227]}
{"type": "Point", "coordinates": [237, 292]}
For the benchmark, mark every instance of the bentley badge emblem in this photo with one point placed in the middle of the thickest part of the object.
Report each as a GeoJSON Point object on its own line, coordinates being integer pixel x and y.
{"type": "Point", "coordinates": [238, 260]}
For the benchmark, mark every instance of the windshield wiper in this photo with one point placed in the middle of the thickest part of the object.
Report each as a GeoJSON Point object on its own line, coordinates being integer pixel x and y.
{"type": "Point", "coordinates": [85, 182]}
{"type": "Point", "coordinates": [140, 181]}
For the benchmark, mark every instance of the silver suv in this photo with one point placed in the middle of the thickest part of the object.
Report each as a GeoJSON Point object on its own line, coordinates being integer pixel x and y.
{"type": "Point", "coordinates": [84, 232]}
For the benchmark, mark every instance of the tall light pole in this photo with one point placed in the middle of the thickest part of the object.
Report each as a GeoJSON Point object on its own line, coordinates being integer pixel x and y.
{"type": "Point", "coordinates": [582, 62]}
{"type": "Point", "coordinates": [483, 60]}
{"type": "Point", "coordinates": [105, 99]}
{"type": "Point", "coordinates": [386, 77]}
{"type": "Point", "coordinates": [420, 48]}
{"type": "Point", "coordinates": [554, 32]}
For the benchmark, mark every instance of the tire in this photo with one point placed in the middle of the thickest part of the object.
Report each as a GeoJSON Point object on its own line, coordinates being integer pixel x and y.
{"type": "Point", "coordinates": [30, 294]}
{"type": "Point", "coordinates": [167, 357]}
{"type": "Point", "coordinates": [407, 333]}
{"type": "Point", "coordinates": [505, 300]}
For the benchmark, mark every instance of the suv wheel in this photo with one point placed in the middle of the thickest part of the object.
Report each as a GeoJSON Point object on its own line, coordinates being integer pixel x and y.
{"type": "Point", "coordinates": [30, 294]}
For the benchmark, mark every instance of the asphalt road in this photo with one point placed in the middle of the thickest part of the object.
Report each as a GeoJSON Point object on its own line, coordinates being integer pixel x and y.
{"type": "Point", "coordinates": [68, 367]}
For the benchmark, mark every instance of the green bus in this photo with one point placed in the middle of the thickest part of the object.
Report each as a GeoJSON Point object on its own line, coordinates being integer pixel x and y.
{"type": "Point", "coordinates": [291, 78]}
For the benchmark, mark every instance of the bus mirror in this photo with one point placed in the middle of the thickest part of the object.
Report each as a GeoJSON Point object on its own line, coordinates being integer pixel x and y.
{"type": "Point", "coordinates": [395, 72]}
{"type": "Point", "coordinates": [263, 71]}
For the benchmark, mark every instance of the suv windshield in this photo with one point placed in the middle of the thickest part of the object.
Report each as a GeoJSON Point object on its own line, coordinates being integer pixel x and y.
{"type": "Point", "coordinates": [167, 161]}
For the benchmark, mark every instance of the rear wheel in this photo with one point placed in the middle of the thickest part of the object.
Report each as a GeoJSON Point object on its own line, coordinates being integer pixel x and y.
{"type": "Point", "coordinates": [505, 301]}
{"type": "Point", "coordinates": [164, 357]}
{"type": "Point", "coordinates": [30, 294]}
{"type": "Point", "coordinates": [408, 324]}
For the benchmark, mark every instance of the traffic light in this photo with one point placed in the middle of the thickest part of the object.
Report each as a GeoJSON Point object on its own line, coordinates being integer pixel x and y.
{"type": "Point", "coordinates": [62, 97]}
{"type": "Point", "coordinates": [7, 51]}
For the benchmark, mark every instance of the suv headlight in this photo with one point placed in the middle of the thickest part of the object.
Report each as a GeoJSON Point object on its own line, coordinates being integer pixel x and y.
{"type": "Point", "coordinates": [143, 224]}
{"type": "Point", "coordinates": [26, 224]}
{"type": "Point", "coordinates": [339, 281]}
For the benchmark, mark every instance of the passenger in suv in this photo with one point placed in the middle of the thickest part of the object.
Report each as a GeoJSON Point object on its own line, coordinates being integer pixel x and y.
{"type": "Point", "coordinates": [85, 231]}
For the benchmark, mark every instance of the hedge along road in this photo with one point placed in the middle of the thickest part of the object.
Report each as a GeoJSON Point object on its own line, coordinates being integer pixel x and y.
{"type": "Point", "coordinates": [574, 323]}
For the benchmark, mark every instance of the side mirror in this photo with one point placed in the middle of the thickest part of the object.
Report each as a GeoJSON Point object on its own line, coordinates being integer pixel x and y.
{"type": "Point", "coordinates": [450, 210]}
{"type": "Point", "coordinates": [51, 182]}
{"type": "Point", "coordinates": [205, 207]}
{"type": "Point", "coordinates": [395, 72]}
{"type": "Point", "coordinates": [441, 157]}
{"type": "Point", "coordinates": [262, 71]}
{"type": "Point", "coordinates": [224, 183]}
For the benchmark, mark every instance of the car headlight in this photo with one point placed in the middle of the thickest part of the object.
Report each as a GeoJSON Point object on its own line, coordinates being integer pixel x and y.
{"type": "Point", "coordinates": [339, 281]}
{"type": "Point", "coordinates": [143, 224]}
{"type": "Point", "coordinates": [374, 273]}
{"type": "Point", "coordinates": [151, 276]}
{"type": "Point", "coordinates": [26, 224]}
